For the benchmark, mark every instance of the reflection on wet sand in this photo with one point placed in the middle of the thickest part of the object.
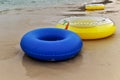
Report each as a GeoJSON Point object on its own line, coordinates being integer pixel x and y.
{"type": "Point", "coordinates": [37, 68]}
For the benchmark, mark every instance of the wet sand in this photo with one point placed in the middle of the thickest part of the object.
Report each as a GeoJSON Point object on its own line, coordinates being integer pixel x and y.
{"type": "Point", "coordinates": [98, 60]}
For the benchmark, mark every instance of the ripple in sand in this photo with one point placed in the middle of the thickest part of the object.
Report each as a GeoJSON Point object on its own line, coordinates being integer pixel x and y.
{"type": "Point", "coordinates": [108, 12]}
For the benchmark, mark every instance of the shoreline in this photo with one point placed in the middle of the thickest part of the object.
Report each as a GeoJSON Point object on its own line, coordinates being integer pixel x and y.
{"type": "Point", "coordinates": [65, 10]}
{"type": "Point", "coordinates": [56, 6]}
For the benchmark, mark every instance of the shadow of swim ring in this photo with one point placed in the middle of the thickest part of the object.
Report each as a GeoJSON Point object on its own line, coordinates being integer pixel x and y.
{"type": "Point", "coordinates": [51, 44]}
{"type": "Point", "coordinates": [89, 27]}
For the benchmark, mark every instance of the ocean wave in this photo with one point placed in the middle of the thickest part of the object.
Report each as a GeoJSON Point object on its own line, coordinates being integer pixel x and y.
{"type": "Point", "coordinates": [11, 4]}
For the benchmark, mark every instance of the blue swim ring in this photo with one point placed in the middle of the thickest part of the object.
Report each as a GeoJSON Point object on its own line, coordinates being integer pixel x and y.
{"type": "Point", "coordinates": [51, 44]}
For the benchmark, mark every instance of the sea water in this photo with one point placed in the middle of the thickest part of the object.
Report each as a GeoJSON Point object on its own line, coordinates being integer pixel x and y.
{"type": "Point", "coordinates": [12, 4]}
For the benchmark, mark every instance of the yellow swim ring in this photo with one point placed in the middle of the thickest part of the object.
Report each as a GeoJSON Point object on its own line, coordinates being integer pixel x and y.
{"type": "Point", "coordinates": [94, 6]}
{"type": "Point", "coordinates": [89, 27]}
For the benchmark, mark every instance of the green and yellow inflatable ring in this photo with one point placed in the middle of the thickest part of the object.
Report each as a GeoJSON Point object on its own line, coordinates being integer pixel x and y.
{"type": "Point", "coordinates": [88, 27]}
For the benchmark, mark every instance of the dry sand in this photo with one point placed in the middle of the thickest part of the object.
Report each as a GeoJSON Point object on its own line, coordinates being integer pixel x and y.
{"type": "Point", "coordinates": [99, 59]}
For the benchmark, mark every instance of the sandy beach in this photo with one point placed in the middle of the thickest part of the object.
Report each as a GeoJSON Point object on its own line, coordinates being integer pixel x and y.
{"type": "Point", "coordinates": [98, 60]}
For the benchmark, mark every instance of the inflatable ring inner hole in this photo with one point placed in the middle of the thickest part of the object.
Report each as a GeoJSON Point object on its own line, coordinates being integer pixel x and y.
{"type": "Point", "coordinates": [51, 37]}
{"type": "Point", "coordinates": [85, 21]}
